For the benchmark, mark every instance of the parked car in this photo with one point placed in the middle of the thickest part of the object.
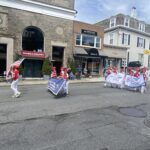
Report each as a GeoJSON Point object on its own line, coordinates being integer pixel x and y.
{"type": "Point", "coordinates": [134, 64]}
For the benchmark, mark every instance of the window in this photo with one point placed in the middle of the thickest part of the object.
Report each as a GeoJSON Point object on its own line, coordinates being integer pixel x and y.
{"type": "Point", "coordinates": [141, 42]}
{"type": "Point", "coordinates": [126, 39]}
{"type": "Point", "coordinates": [142, 27]}
{"type": "Point", "coordinates": [111, 37]}
{"type": "Point", "coordinates": [98, 42]}
{"type": "Point", "coordinates": [78, 39]}
{"type": "Point", "coordinates": [112, 22]}
{"type": "Point", "coordinates": [88, 40]}
{"type": "Point", "coordinates": [141, 58]}
{"type": "Point", "coordinates": [126, 22]}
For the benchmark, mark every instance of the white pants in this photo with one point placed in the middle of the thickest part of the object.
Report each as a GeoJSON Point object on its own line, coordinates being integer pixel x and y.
{"type": "Point", "coordinates": [66, 87]}
{"type": "Point", "coordinates": [14, 86]}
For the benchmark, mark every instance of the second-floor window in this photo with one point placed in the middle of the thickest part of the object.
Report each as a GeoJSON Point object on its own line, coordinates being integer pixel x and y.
{"type": "Point", "coordinates": [142, 27]}
{"type": "Point", "coordinates": [126, 22]}
{"type": "Point", "coordinates": [141, 42]}
{"type": "Point", "coordinates": [125, 39]}
{"type": "Point", "coordinates": [111, 38]}
{"type": "Point", "coordinates": [112, 22]}
{"type": "Point", "coordinates": [88, 40]}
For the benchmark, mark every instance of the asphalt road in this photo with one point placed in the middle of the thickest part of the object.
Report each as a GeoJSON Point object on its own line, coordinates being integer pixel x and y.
{"type": "Point", "coordinates": [90, 118]}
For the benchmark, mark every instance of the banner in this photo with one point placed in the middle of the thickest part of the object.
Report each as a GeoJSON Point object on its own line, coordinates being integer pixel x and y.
{"type": "Point", "coordinates": [115, 78]}
{"type": "Point", "coordinates": [134, 82]}
{"type": "Point", "coordinates": [55, 85]}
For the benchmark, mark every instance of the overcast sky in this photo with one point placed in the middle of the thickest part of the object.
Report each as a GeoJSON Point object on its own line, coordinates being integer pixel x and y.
{"type": "Point", "coordinates": [92, 11]}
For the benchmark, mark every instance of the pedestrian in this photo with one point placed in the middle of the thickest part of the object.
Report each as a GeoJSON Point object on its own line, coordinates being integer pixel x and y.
{"type": "Point", "coordinates": [15, 80]}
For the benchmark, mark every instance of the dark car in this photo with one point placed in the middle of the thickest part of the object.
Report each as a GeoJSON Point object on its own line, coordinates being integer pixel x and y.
{"type": "Point", "coordinates": [134, 64]}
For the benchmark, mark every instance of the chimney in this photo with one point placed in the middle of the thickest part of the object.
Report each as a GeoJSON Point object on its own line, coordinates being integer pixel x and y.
{"type": "Point", "coordinates": [133, 12]}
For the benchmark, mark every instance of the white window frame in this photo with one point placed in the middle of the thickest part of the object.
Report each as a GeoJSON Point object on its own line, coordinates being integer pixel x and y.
{"type": "Point", "coordinates": [141, 42]}
{"type": "Point", "coordinates": [95, 40]}
{"type": "Point", "coordinates": [126, 21]}
{"type": "Point", "coordinates": [142, 27]}
{"type": "Point", "coordinates": [112, 21]}
{"type": "Point", "coordinates": [126, 39]}
{"type": "Point", "coordinates": [111, 38]}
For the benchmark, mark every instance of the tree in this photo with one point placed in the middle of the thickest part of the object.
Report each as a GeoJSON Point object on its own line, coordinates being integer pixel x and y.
{"type": "Point", "coordinates": [46, 68]}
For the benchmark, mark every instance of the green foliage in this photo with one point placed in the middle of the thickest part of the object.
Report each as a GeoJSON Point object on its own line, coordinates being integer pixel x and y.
{"type": "Point", "coordinates": [46, 68]}
{"type": "Point", "coordinates": [71, 64]}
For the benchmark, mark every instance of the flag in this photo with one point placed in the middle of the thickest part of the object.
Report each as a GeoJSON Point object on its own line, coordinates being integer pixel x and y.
{"type": "Point", "coordinates": [16, 63]}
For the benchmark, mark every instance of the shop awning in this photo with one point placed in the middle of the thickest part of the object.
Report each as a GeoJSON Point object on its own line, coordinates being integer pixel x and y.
{"type": "Point", "coordinates": [79, 50]}
{"type": "Point", "coordinates": [88, 53]}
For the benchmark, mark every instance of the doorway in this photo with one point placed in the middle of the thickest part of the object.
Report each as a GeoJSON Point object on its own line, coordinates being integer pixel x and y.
{"type": "Point", "coordinates": [3, 58]}
{"type": "Point", "coordinates": [32, 68]}
{"type": "Point", "coordinates": [57, 57]}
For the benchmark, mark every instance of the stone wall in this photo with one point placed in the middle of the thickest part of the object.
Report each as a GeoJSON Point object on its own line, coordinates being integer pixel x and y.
{"type": "Point", "coordinates": [54, 29]}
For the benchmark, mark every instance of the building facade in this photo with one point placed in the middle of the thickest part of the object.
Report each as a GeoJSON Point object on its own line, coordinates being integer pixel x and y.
{"type": "Point", "coordinates": [88, 47]}
{"type": "Point", "coordinates": [36, 29]}
{"type": "Point", "coordinates": [127, 31]}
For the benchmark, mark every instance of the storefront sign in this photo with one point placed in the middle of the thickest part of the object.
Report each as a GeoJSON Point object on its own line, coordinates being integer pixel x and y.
{"type": "Point", "coordinates": [146, 51]}
{"type": "Point", "coordinates": [32, 54]}
{"type": "Point", "coordinates": [89, 32]}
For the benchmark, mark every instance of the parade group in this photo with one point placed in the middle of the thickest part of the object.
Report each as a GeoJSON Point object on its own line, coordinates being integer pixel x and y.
{"type": "Point", "coordinates": [134, 78]}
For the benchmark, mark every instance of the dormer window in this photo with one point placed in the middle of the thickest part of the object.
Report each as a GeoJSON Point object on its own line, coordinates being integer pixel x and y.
{"type": "Point", "coordinates": [126, 22]}
{"type": "Point", "coordinates": [112, 22]}
{"type": "Point", "coordinates": [142, 27]}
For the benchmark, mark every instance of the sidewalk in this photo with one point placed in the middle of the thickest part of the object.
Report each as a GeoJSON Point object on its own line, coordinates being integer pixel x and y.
{"type": "Point", "coordinates": [41, 81]}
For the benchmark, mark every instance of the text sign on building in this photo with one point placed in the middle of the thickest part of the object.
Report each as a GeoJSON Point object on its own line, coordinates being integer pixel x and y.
{"type": "Point", "coordinates": [146, 51]}
{"type": "Point", "coordinates": [32, 54]}
{"type": "Point", "coordinates": [88, 32]}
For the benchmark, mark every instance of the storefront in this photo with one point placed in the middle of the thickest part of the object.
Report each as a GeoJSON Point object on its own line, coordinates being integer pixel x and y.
{"type": "Point", "coordinates": [32, 65]}
{"type": "Point", "coordinates": [88, 43]}
{"type": "Point", "coordinates": [116, 56]}
{"type": "Point", "coordinates": [34, 34]}
{"type": "Point", "coordinates": [89, 59]}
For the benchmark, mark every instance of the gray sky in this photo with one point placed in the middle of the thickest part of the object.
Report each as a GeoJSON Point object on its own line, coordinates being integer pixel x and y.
{"type": "Point", "coordinates": [92, 11]}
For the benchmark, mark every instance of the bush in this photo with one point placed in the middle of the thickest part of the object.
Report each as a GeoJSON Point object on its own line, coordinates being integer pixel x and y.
{"type": "Point", "coordinates": [72, 65]}
{"type": "Point", "coordinates": [46, 68]}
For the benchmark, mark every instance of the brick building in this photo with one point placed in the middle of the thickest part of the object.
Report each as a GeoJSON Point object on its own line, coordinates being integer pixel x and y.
{"type": "Point", "coordinates": [36, 29]}
{"type": "Point", "coordinates": [88, 47]}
